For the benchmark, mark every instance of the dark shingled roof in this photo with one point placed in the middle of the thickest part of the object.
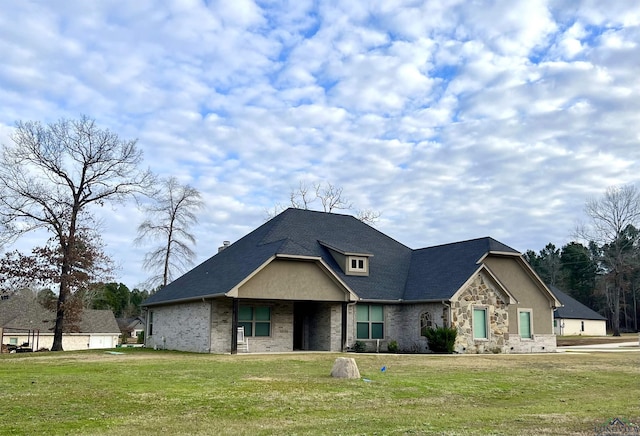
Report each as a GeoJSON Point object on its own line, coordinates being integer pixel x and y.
{"type": "Point", "coordinates": [572, 308]}
{"type": "Point", "coordinates": [396, 272]}
{"type": "Point", "coordinates": [23, 312]}
{"type": "Point", "coordinates": [438, 271]}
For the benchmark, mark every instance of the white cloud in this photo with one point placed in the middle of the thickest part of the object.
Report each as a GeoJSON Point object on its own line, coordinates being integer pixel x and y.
{"type": "Point", "coordinates": [454, 119]}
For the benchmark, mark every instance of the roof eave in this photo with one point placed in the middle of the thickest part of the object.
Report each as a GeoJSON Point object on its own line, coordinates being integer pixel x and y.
{"type": "Point", "coordinates": [184, 300]}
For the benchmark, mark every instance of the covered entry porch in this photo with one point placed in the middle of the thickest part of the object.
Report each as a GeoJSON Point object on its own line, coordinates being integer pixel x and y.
{"type": "Point", "coordinates": [291, 304]}
{"type": "Point", "coordinates": [282, 326]}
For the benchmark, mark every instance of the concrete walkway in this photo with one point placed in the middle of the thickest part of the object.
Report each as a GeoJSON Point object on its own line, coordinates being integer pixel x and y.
{"type": "Point", "coordinates": [613, 347]}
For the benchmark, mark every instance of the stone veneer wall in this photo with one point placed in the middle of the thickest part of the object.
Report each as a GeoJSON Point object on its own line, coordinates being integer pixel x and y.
{"type": "Point", "coordinates": [480, 293]}
{"type": "Point", "coordinates": [537, 344]}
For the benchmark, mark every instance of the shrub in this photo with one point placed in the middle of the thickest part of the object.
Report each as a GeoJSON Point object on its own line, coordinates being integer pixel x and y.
{"type": "Point", "coordinates": [392, 347]}
{"type": "Point", "coordinates": [359, 347]}
{"type": "Point", "coordinates": [441, 339]}
{"type": "Point", "coordinates": [141, 338]}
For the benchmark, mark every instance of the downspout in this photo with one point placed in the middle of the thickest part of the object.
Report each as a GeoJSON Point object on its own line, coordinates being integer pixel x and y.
{"type": "Point", "coordinates": [343, 333]}
{"type": "Point", "coordinates": [210, 323]}
{"type": "Point", "coordinates": [448, 306]}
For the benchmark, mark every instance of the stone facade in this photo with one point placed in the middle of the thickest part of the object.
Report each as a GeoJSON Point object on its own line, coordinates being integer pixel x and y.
{"type": "Point", "coordinates": [480, 293]}
{"type": "Point", "coordinates": [537, 344]}
{"type": "Point", "coordinates": [206, 326]}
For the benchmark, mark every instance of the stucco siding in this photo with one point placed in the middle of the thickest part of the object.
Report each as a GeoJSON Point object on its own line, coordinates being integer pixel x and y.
{"type": "Point", "coordinates": [181, 327]}
{"type": "Point", "coordinates": [526, 291]}
{"type": "Point", "coordinates": [293, 280]}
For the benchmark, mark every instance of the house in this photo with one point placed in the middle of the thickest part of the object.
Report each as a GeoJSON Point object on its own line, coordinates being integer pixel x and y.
{"type": "Point", "coordinates": [131, 327]}
{"type": "Point", "coordinates": [574, 318]}
{"type": "Point", "coordinates": [308, 280]}
{"type": "Point", "coordinates": [24, 320]}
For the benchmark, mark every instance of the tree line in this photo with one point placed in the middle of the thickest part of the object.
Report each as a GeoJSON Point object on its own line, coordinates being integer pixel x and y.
{"type": "Point", "coordinates": [52, 177]}
{"type": "Point", "coordinates": [603, 271]}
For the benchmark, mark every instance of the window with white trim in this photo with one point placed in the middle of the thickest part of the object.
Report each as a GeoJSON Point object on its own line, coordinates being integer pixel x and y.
{"type": "Point", "coordinates": [357, 265]}
{"type": "Point", "coordinates": [480, 323]}
{"type": "Point", "coordinates": [425, 322]}
{"type": "Point", "coordinates": [151, 323]}
{"type": "Point", "coordinates": [524, 319]}
{"type": "Point", "coordinates": [525, 324]}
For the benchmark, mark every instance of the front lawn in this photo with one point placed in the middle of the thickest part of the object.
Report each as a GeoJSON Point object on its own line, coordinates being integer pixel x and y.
{"type": "Point", "coordinates": [148, 392]}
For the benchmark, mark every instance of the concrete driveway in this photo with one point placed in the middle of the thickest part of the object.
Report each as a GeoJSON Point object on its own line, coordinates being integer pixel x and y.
{"type": "Point", "coordinates": [614, 347]}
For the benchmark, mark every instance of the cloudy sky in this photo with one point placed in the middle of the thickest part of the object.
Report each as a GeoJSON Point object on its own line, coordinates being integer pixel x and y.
{"type": "Point", "coordinates": [454, 119]}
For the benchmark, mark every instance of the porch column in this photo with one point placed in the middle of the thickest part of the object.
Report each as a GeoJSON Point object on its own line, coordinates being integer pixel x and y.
{"type": "Point", "coordinates": [234, 327]}
{"type": "Point", "coordinates": [344, 327]}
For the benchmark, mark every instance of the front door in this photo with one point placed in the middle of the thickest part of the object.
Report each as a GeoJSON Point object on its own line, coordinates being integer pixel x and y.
{"type": "Point", "coordinates": [303, 312]}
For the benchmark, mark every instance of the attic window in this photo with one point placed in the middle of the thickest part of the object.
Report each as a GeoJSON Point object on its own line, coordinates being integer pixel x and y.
{"type": "Point", "coordinates": [357, 265]}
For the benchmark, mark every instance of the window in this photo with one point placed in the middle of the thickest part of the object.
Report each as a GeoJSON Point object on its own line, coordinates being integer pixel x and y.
{"type": "Point", "coordinates": [581, 326]}
{"type": "Point", "coordinates": [256, 320]}
{"type": "Point", "coordinates": [357, 265]}
{"type": "Point", "coordinates": [480, 323]}
{"type": "Point", "coordinates": [525, 324]}
{"type": "Point", "coordinates": [425, 322]}
{"type": "Point", "coordinates": [150, 323]}
{"type": "Point", "coordinates": [13, 341]}
{"type": "Point", "coordinates": [370, 321]}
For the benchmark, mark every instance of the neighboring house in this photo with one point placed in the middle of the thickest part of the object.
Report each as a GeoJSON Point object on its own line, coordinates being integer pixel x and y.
{"type": "Point", "coordinates": [308, 280]}
{"type": "Point", "coordinates": [574, 318]}
{"type": "Point", "coordinates": [131, 327]}
{"type": "Point", "coordinates": [24, 320]}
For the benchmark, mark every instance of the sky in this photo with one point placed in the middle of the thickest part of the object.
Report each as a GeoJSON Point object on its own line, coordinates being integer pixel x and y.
{"type": "Point", "coordinates": [453, 119]}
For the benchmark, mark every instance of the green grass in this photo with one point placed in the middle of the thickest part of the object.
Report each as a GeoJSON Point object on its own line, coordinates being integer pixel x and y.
{"type": "Point", "coordinates": [149, 392]}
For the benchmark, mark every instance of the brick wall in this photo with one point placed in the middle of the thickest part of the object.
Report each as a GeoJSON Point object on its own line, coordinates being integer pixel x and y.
{"type": "Point", "coordinates": [181, 327]}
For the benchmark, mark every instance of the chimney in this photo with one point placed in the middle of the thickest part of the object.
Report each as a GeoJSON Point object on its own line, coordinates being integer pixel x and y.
{"type": "Point", "coordinates": [225, 244]}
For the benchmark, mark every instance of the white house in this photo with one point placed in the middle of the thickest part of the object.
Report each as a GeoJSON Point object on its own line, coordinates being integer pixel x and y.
{"type": "Point", "coordinates": [575, 319]}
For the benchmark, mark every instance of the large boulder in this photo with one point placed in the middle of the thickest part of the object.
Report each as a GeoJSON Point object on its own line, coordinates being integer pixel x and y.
{"type": "Point", "coordinates": [345, 367]}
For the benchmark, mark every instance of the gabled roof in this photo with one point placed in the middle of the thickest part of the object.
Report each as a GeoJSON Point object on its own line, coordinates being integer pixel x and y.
{"type": "Point", "coordinates": [129, 324]}
{"type": "Point", "coordinates": [396, 272]}
{"type": "Point", "coordinates": [20, 312]}
{"type": "Point", "coordinates": [572, 308]}
{"type": "Point", "coordinates": [437, 271]}
{"type": "Point", "coordinates": [297, 232]}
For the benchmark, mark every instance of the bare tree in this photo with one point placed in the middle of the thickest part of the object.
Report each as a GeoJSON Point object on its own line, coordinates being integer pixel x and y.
{"type": "Point", "coordinates": [330, 197]}
{"type": "Point", "coordinates": [611, 219]}
{"type": "Point", "coordinates": [168, 222]}
{"type": "Point", "coordinates": [50, 177]}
